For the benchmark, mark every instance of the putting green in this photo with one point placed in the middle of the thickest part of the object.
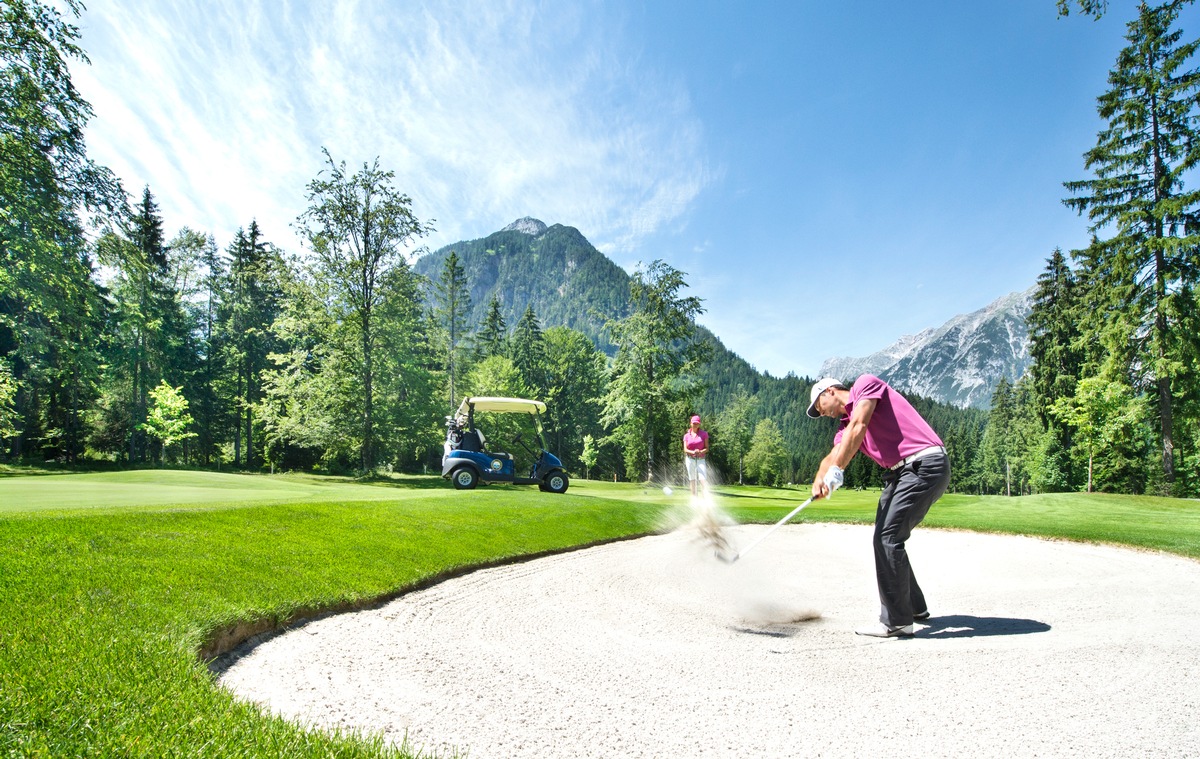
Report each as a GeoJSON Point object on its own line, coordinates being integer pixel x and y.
{"type": "Point", "coordinates": [102, 491]}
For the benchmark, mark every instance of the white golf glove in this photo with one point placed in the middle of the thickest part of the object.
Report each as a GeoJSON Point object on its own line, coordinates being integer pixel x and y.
{"type": "Point", "coordinates": [833, 479]}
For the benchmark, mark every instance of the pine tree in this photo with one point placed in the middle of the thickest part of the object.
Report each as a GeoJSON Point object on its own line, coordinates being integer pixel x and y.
{"type": "Point", "coordinates": [453, 310]}
{"type": "Point", "coordinates": [529, 352]}
{"type": "Point", "coordinates": [996, 468]}
{"type": "Point", "coordinates": [250, 308]}
{"type": "Point", "coordinates": [1054, 334]}
{"type": "Point", "coordinates": [1055, 345]}
{"type": "Point", "coordinates": [212, 291]}
{"type": "Point", "coordinates": [408, 408]}
{"type": "Point", "coordinates": [1142, 160]}
{"type": "Point", "coordinates": [154, 340]}
{"type": "Point", "coordinates": [492, 337]}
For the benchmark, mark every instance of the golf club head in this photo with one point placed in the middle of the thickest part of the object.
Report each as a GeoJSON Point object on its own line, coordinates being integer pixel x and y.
{"type": "Point", "coordinates": [725, 557]}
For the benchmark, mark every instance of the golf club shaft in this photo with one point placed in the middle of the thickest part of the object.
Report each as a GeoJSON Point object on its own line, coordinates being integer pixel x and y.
{"type": "Point", "coordinates": [774, 527]}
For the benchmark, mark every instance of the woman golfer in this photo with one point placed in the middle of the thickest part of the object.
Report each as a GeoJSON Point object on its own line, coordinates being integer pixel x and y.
{"type": "Point", "coordinates": [695, 448]}
{"type": "Point", "coordinates": [880, 422]}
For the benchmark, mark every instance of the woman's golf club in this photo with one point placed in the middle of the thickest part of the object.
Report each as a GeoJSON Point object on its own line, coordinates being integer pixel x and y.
{"type": "Point", "coordinates": [761, 538]}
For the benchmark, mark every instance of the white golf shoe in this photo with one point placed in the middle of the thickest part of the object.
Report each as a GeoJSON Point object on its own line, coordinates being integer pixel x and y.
{"type": "Point", "coordinates": [880, 630]}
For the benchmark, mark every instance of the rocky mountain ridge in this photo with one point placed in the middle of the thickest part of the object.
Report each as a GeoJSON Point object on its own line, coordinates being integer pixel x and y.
{"type": "Point", "coordinates": [959, 362]}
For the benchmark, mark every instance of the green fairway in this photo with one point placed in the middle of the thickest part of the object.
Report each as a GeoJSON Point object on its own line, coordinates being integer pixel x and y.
{"type": "Point", "coordinates": [111, 583]}
{"type": "Point", "coordinates": [121, 491]}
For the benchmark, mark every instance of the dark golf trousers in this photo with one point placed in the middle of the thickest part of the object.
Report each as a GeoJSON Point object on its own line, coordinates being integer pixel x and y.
{"type": "Point", "coordinates": [907, 494]}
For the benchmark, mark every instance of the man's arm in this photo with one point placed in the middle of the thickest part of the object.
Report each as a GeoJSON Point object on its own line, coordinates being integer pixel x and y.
{"type": "Point", "coordinates": [852, 439]}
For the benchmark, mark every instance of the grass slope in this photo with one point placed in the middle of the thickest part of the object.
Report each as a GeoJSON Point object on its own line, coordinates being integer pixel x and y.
{"type": "Point", "coordinates": [102, 613]}
{"type": "Point", "coordinates": [111, 582]}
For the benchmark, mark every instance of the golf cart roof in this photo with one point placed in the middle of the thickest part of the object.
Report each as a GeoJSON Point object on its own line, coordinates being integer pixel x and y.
{"type": "Point", "coordinates": [503, 405]}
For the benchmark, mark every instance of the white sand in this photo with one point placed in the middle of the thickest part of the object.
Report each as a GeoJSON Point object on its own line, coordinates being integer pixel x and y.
{"type": "Point", "coordinates": [652, 648]}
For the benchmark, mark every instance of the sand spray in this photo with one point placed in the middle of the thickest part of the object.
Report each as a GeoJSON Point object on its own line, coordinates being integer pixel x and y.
{"type": "Point", "coordinates": [747, 595]}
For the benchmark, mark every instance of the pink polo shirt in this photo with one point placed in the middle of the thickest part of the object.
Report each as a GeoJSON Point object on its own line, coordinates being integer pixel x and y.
{"type": "Point", "coordinates": [695, 441]}
{"type": "Point", "coordinates": [895, 431]}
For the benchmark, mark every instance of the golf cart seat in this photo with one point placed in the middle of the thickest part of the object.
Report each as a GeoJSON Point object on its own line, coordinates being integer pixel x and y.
{"type": "Point", "coordinates": [476, 442]}
{"type": "Point", "coordinates": [472, 440]}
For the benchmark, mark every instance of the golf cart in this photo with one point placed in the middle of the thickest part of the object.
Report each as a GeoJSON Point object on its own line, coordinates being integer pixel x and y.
{"type": "Point", "coordinates": [467, 461]}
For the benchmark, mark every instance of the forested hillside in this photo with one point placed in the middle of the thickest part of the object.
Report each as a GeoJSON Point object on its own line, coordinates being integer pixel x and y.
{"type": "Point", "coordinates": [555, 269]}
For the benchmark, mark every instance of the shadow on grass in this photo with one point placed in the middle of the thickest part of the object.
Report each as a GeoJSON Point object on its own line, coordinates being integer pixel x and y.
{"type": "Point", "coordinates": [966, 626]}
{"type": "Point", "coordinates": [408, 481]}
{"type": "Point", "coordinates": [53, 468]}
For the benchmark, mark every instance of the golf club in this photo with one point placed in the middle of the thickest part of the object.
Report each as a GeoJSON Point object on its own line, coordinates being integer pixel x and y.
{"type": "Point", "coordinates": [763, 537]}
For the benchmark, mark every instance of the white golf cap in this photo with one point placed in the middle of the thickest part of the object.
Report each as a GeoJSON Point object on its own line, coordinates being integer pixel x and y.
{"type": "Point", "coordinates": [821, 386]}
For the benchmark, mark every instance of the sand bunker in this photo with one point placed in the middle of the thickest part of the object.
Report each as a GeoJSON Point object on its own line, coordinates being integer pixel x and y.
{"type": "Point", "coordinates": [652, 648]}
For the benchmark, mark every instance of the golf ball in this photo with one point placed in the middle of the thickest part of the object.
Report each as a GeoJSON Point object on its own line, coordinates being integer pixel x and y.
{"type": "Point", "coordinates": [667, 491]}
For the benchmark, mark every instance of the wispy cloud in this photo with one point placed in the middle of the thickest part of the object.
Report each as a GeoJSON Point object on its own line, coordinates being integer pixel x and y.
{"type": "Point", "coordinates": [486, 112]}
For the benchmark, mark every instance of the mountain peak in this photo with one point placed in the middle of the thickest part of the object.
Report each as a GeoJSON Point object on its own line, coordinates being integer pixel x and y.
{"type": "Point", "coordinates": [528, 225]}
{"type": "Point", "coordinates": [958, 363]}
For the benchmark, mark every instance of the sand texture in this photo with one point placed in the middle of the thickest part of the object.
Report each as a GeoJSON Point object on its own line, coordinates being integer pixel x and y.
{"type": "Point", "coordinates": [652, 648]}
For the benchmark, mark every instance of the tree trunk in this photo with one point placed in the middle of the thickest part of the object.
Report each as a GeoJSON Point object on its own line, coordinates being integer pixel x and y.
{"type": "Point", "coordinates": [1160, 295]}
{"type": "Point", "coordinates": [1168, 444]}
{"type": "Point", "coordinates": [1164, 383]}
{"type": "Point", "coordinates": [237, 425]}
{"type": "Point", "coordinates": [133, 400]}
{"type": "Point", "coordinates": [650, 452]}
{"type": "Point", "coordinates": [368, 454]}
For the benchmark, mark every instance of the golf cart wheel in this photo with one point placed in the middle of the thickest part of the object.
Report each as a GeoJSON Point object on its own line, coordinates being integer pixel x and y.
{"type": "Point", "coordinates": [556, 482]}
{"type": "Point", "coordinates": [464, 478]}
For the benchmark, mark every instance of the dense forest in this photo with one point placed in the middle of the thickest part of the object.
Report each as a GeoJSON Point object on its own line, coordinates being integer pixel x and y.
{"type": "Point", "coordinates": [125, 344]}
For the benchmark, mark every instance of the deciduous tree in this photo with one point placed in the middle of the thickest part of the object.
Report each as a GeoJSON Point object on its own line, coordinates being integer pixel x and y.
{"type": "Point", "coordinates": [656, 353]}
{"type": "Point", "coordinates": [51, 312]}
{"type": "Point", "coordinates": [767, 456]}
{"type": "Point", "coordinates": [168, 419]}
{"type": "Point", "coordinates": [736, 429]}
{"type": "Point", "coordinates": [575, 377]}
{"type": "Point", "coordinates": [1107, 417]}
{"type": "Point", "coordinates": [358, 226]}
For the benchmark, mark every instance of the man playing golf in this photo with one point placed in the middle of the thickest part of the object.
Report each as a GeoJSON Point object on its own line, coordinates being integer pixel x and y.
{"type": "Point", "coordinates": [877, 420]}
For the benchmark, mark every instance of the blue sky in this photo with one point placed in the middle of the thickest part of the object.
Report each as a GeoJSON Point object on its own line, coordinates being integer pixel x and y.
{"type": "Point", "coordinates": [831, 176]}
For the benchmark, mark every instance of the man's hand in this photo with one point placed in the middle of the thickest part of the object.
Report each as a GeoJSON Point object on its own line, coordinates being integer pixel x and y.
{"type": "Point", "coordinates": [833, 479]}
